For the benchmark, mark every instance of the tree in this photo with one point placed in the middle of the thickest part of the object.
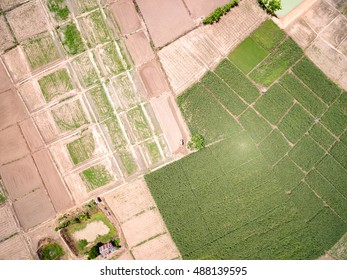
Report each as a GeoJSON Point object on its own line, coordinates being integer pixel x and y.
{"type": "Point", "coordinates": [197, 142]}
{"type": "Point", "coordinates": [271, 6]}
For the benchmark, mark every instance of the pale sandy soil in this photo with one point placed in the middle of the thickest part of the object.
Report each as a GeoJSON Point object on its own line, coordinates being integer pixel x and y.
{"type": "Point", "coordinates": [91, 231]}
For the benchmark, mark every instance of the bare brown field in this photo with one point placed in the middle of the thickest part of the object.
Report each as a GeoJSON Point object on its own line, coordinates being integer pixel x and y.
{"type": "Point", "coordinates": [336, 32]}
{"type": "Point", "coordinates": [126, 16]}
{"type": "Point", "coordinates": [7, 4]}
{"type": "Point", "coordinates": [343, 47]}
{"type": "Point", "coordinates": [15, 248]}
{"type": "Point", "coordinates": [27, 20]}
{"type": "Point", "coordinates": [159, 248]}
{"type": "Point", "coordinates": [12, 145]}
{"type": "Point", "coordinates": [166, 20]}
{"type": "Point", "coordinates": [6, 38]}
{"type": "Point", "coordinates": [21, 177]}
{"type": "Point", "coordinates": [6, 83]}
{"type": "Point", "coordinates": [16, 63]}
{"type": "Point", "coordinates": [129, 200]}
{"type": "Point", "coordinates": [34, 208]}
{"type": "Point", "coordinates": [46, 126]}
{"type": "Point", "coordinates": [153, 79]}
{"type": "Point", "coordinates": [8, 225]}
{"type": "Point", "coordinates": [142, 227]}
{"type": "Point", "coordinates": [125, 257]}
{"type": "Point", "coordinates": [302, 33]}
{"type": "Point", "coordinates": [139, 48]}
{"type": "Point", "coordinates": [12, 109]}
{"type": "Point", "coordinates": [32, 96]}
{"type": "Point", "coordinates": [199, 9]}
{"type": "Point", "coordinates": [53, 183]}
{"type": "Point", "coordinates": [31, 135]}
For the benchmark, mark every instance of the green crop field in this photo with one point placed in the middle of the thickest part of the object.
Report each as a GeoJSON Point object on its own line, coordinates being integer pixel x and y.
{"type": "Point", "coordinates": [102, 106]}
{"type": "Point", "coordinates": [71, 38]}
{"type": "Point", "coordinates": [112, 60]}
{"type": "Point", "coordinates": [271, 180]}
{"type": "Point", "coordinates": [82, 148]}
{"type": "Point", "coordinates": [96, 176]}
{"type": "Point", "coordinates": [85, 71]}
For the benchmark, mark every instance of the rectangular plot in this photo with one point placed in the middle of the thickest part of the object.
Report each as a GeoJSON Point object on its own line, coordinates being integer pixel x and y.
{"type": "Point", "coordinates": [194, 103]}
{"type": "Point", "coordinates": [83, 6]}
{"type": "Point", "coordinates": [71, 38]}
{"type": "Point", "coordinates": [343, 138]}
{"type": "Point", "coordinates": [335, 119]}
{"type": "Point", "coordinates": [82, 148]}
{"type": "Point", "coordinates": [127, 160]}
{"type": "Point", "coordinates": [316, 80]}
{"type": "Point", "coordinates": [274, 103]}
{"type": "Point", "coordinates": [139, 123]}
{"type": "Point", "coordinates": [274, 146]}
{"type": "Point", "coordinates": [306, 98]}
{"type": "Point", "coordinates": [321, 135]}
{"type": "Point", "coordinates": [111, 59]}
{"type": "Point", "coordinates": [224, 94]}
{"type": "Point", "coordinates": [125, 90]}
{"type": "Point", "coordinates": [58, 9]}
{"type": "Point", "coordinates": [255, 125]}
{"type": "Point", "coordinates": [247, 55]}
{"type": "Point", "coordinates": [114, 133]}
{"type": "Point", "coordinates": [339, 152]}
{"type": "Point", "coordinates": [8, 224]}
{"type": "Point", "coordinates": [15, 248]}
{"type": "Point", "coordinates": [287, 173]}
{"type": "Point", "coordinates": [69, 116]}
{"type": "Point", "coordinates": [328, 193]}
{"type": "Point", "coordinates": [306, 201]}
{"type": "Point", "coordinates": [277, 63]}
{"type": "Point", "coordinates": [100, 103]}
{"type": "Point", "coordinates": [237, 80]}
{"type": "Point", "coordinates": [85, 70]}
{"type": "Point", "coordinates": [306, 153]}
{"type": "Point", "coordinates": [334, 173]}
{"type": "Point", "coordinates": [296, 123]}
{"type": "Point", "coordinates": [152, 152]}
{"type": "Point", "coordinates": [55, 84]}
{"type": "Point", "coordinates": [268, 35]}
{"type": "Point", "coordinates": [96, 176]}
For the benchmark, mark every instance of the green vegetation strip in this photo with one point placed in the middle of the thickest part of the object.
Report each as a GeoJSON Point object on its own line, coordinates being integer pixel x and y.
{"type": "Point", "coordinates": [81, 149]}
{"type": "Point", "coordinates": [102, 105]}
{"type": "Point", "coordinates": [96, 176]}
{"type": "Point", "coordinates": [59, 8]}
{"type": "Point", "coordinates": [216, 15]}
{"type": "Point", "coordinates": [71, 39]}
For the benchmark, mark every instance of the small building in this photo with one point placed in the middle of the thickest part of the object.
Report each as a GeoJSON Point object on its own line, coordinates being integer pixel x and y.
{"type": "Point", "coordinates": [106, 249]}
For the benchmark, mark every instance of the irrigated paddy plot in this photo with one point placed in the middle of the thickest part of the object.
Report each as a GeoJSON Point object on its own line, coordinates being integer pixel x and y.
{"type": "Point", "coordinates": [271, 183]}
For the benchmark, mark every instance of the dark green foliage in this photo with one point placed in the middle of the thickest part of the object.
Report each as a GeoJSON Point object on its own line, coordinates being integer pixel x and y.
{"type": "Point", "coordinates": [271, 6]}
{"type": "Point", "coordinates": [274, 103]}
{"type": "Point", "coordinates": [336, 117]}
{"type": "Point", "coordinates": [81, 244]}
{"type": "Point", "coordinates": [306, 153]}
{"type": "Point", "coordinates": [295, 123]}
{"type": "Point", "coordinates": [256, 126]}
{"type": "Point", "coordinates": [315, 79]}
{"type": "Point", "coordinates": [306, 98]}
{"type": "Point", "coordinates": [268, 35]}
{"type": "Point", "coordinates": [237, 81]}
{"type": "Point", "coordinates": [343, 138]}
{"type": "Point", "coordinates": [277, 63]}
{"type": "Point", "coordinates": [288, 174]}
{"type": "Point", "coordinates": [59, 8]}
{"type": "Point", "coordinates": [225, 95]}
{"type": "Point", "coordinates": [2, 197]}
{"type": "Point", "coordinates": [339, 152]}
{"type": "Point", "coordinates": [50, 251]}
{"type": "Point", "coordinates": [321, 135]}
{"type": "Point", "coordinates": [247, 55]}
{"type": "Point", "coordinates": [196, 142]}
{"type": "Point", "coordinates": [94, 251]}
{"type": "Point", "coordinates": [72, 39]}
{"type": "Point", "coordinates": [219, 12]}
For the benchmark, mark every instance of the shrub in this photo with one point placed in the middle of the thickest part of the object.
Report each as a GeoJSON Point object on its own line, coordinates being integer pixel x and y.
{"type": "Point", "coordinates": [51, 251]}
{"type": "Point", "coordinates": [2, 198]}
{"type": "Point", "coordinates": [94, 251]}
{"type": "Point", "coordinates": [219, 12]}
{"type": "Point", "coordinates": [81, 245]}
{"type": "Point", "coordinates": [197, 142]}
{"type": "Point", "coordinates": [59, 8]}
{"type": "Point", "coordinates": [271, 6]}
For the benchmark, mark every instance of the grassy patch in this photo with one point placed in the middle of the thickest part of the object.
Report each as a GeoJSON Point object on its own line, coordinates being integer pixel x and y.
{"type": "Point", "coordinates": [339, 250]}
{"type": "Point", "coordinates": [2, 197]}
{"type": "Point", "coordinates": [71, 38]}
{"type": "Point", "coordinates": [128, 161]}
{"type": "Point", "coordinates": [51, 251]}
{"type": "Point", "coordinates": [40, 50]}
{"type": "Point", "coordinates": [277, 63]}
{"type": "Point", "coordinates": [101, 104]}
{"type": "Point", "coordinates": [256, 126]}
{"type": "Point", "coordinates": [85, 5]}
{"type": "Point", "coordinates": [274, 146]}
{"type": "Point", "coordinates": [139, 123]}
{"type": "Point", "coordinates": [247, 55]}
{"type": "Point", "coordinates": [85, 70]}
{"type": "Point", "coordinates": [321, 136]}
{"type": "Point", "coordinates": [306, 153]}
{"type": "Point", "coordinates": [59, 9]}
{"type": "Point", "coordinates": [69, 116]}
{"type": "Point", "coordinates": [306, 98]}
{"type": "Point", "coordinates": [336, 117]}
{"type": "Point", "coordinates": [315, 79]}
{"type": "Point", "coordinates": [339, 152]}
{"type": "Point", "coordinates": [287, 173]}
{"type": "Point", "coordinates": [295, 123]}
{"type": "Point", "coordinates": [81, 149]}
{"type": "Point", "coordinates": [268, 35]}
{"type": "Point", "coordinates": [111, 59]}
{"type": "Point", "coordinates": [225, 95]}
{"type": "Point", "coordinates": [237, 81]}
{"type": "Point", "coordinates": [153, 152]}
{"type": "Point", "coordinates": [125, 90]}
{"type": "Point", "coordinates": [96, 176]}
{"type": "Point", "coordinates": [55, 84]}
{"type": "Point", "coordinates": [274, 103]}
{"type": "Point", "coordinates": [194, 103]}
{"type": "Point", "coordinates": [114, 132]}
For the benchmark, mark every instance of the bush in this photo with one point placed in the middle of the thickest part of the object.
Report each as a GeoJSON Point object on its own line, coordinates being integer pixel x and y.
{"type": "Point", "coordinates": [219, 12]}
{"type": "Point", "coordinates": [51, 251]}
{"type": "Point", "coordinates": [271, 6]}
{"type": "Point", "coordinates": [82, 244]}
{"type": "Point", "coordinates": [94, 251]}
{"type": "Point", "coordinates": [197, 142]}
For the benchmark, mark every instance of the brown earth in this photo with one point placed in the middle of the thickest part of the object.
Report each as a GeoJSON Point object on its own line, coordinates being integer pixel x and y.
{"type": "Point", "coordinates": [139, 48]}
{"type": "Point", "coordinates": [15, 248]}
{"type": "Point", "coordinates": [31, 135]}
{"type": "Point", "coordinates": [12, 109]}
{"type": "Point", "coordinates": [12, 145]}
{"type": "Point", "coordinates": [125, 257]}
{"type": "Point", "coordinates": [126, 16]}
{"type": "Point", "coordinates": [7, 4]}
{"type": "Point", "coordinates": [16, 63]}
{"type": "Point", "coordinates": [8, 225]}
{"type": "Point", "coordinates": [199, 9]}
{"type": "Point", "coordinates": [21, 177]}
{"type": "Point", "coordinates": [302, 33]}
{"type": "Point", "coordinates": [34, 208]}
{"type": "Point", "coordinates": [336, 32]}
{"type": "Point", "coordinates": [165, 19]}
{"type": "Point", "coordinates": [153, 79]}
{"type": "Point", "coordinates": [6, 38]}
{"type": "Point", "coordinates": [5, 82]}
{"type": "Point", "coordinates": [32, 96]}
{"type": "Point", "coordinates": [159, 248]}
{"type": "Point", "coordinates": [53, 182]}
{"type": "Point", "coordinates": [27, 20]}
